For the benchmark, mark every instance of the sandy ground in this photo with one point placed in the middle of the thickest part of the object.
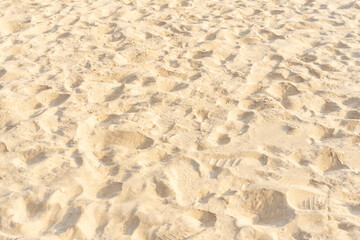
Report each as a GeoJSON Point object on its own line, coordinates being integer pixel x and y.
{"type": "Point", "coordinates": [171, 120]}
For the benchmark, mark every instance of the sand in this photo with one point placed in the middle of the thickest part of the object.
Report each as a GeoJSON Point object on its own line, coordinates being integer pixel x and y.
{"type": "Point", "coordinates": [171, 120]}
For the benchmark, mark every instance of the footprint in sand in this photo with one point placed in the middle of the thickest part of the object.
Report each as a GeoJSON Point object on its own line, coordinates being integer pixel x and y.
{"type": "Point", "coordinates": [52, 99]}
{"type": "Point", "coordinates": [110, 190]}
{"type": "Point", "coordinates": [270, 206]}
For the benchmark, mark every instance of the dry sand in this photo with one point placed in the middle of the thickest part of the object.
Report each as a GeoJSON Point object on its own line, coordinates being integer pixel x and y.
{"type": "Point", "coordinates": [170, 119]}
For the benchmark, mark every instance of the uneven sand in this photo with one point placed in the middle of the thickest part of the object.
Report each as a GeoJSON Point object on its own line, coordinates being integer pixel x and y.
{"type": "Point", "coordinates": [175, 120]}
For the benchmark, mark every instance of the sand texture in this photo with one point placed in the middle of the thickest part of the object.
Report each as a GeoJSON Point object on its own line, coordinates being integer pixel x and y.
{"type": "Point", "coordinates": [180, 119]}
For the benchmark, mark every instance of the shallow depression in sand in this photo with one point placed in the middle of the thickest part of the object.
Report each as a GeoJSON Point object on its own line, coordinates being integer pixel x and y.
{"type": "Point", "coordinates": [128, 139]}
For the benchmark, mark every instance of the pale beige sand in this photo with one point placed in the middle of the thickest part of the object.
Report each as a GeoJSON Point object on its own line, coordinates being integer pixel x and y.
{"type": "Point", "coordinates": [190, 119]}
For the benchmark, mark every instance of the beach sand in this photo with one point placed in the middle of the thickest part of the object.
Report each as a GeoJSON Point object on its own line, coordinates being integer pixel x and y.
{"type": "Point", "coordinates": [180, 119]}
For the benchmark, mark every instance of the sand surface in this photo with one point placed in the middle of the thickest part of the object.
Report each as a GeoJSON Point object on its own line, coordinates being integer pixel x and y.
{"type": "Point", "coordinates": [180, 119]}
